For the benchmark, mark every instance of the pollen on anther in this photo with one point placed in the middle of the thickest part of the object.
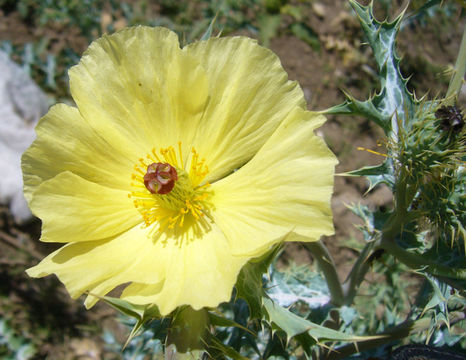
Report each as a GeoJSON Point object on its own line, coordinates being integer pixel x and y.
{"type": "Point", "coordinates": [172, 210]}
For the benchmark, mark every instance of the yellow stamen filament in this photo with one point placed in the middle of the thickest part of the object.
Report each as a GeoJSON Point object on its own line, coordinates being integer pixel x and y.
{"type": "Point", "coordinates": [188, 199]}
{"type": "Point", "coordinates": [198, 170]}
{"type": "Point", "coordinates": [154, 153]}
{"type": "Point", "coordinates": [371, 151]}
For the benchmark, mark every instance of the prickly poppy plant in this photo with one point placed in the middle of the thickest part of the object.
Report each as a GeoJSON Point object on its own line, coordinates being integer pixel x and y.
{"type": "Point", "coordinates": [182, 171]}
{"type": "Point", "coordinates": [177, 167]}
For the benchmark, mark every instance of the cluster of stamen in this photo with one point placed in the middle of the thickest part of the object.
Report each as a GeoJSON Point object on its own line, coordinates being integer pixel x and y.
{"type": "Point", "coordinates": [170, 190]}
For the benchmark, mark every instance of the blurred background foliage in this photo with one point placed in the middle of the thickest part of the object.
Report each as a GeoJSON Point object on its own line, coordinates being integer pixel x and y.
{"type": "Point", "coordinates": [54, 33]}
{"type": "Point", "coordinates": [321, 45]}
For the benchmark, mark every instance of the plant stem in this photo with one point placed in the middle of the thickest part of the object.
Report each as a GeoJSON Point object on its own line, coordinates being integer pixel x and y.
{"type": "Point", "coordinates": [326, 264]}
{"type": "Point", "coordinates": [415, 261]}
{"type": "Point", "coordinates": [342, 294]}
{"type": "Point", "coordinates": [460, 69]}
{"type": "Point", "coordinates": [358, 273]}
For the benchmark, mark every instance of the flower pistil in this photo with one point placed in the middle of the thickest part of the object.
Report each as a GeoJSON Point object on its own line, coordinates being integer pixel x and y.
{"type": "Point", "coordinates": [169, 191]}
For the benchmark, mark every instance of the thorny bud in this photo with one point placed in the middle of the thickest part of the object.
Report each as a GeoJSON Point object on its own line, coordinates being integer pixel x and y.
{"type": "Point", "coordinates": [451, 118]}
{"type": "Point", "coordinates": [160, 178]}
{"type": "Point", "coordinates": [430, 153]}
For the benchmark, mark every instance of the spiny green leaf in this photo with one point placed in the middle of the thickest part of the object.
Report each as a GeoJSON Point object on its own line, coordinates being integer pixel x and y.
{"type": "Point", "coordinates": [249, 283]}
{"type": "Point", "coordinates": [142, 313]}
{"type": "Point", "coordinates": [294, 325]}
{"type": "Point", "coordinates": [394, 105]}
{"type": "Point", "coordinates": [225, 349]}
{"type": "Point", "coordinates": [306, 342]}
{"type": "Point", "coordinates": [297, 283]}
{"type": "Point", "coordinates": [127, 308]}
{"type": "Point", "coordinates": [438, 300]}
{"type": "Point", "coordinates": [208, 33]}
{"type": "Point", "coordinates": [439, 293]}
{"type": "Point", "coordinates": [367, 109]}
{"type": "Point", "coordinates": [276, 348]}
{"type": "Point", "coordinates": [382, 37]}
{"type": "Point", "coordinates": [394, 101]}
{"type": "Point", "coordinates": [218, 320]}
{"type": "Point", "coordinates": [382, 173]}
{"type": "Point", "coordinates": [373, 220]}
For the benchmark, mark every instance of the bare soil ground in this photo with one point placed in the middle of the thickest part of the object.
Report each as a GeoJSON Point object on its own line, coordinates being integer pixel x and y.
{"type": "Point", "coordinates": [343, 62]}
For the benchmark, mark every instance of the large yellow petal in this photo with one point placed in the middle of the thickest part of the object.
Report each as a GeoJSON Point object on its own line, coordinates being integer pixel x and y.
{"type": "Point", "coordinates": [200, 273]}
{"type": "Point", "coordinates": [250, 95]}
{"type": "Point", "coordinates": [74, 209]}
{"type": "Point", "coordinates": [283, 191]}
{"type": "Point", "coordinates": [65, 142]}
{"type": "Point", "coordinates": [99, 266]}
{"type": "Point", "coordinates": [138, 88]}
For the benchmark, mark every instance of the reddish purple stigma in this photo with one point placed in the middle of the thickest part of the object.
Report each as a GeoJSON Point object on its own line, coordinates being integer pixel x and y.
{"type": "Point", "coordinates": [160, 178]}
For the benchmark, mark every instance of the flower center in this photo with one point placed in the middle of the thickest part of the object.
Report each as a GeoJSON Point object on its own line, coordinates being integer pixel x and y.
{"type": "Point", "coordinates": [160, 178]}
{"type": "Point", "coordinates": [170, 191]}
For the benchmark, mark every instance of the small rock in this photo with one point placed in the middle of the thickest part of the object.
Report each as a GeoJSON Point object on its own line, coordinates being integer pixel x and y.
{"type": "Point", "coordinates": [307, 94]}
{"type": "Point", "coordinates": [319, 9]}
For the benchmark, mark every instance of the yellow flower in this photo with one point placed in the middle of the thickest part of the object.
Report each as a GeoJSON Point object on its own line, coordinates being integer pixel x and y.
{"type": "Point", "coordinates": [177, 167]}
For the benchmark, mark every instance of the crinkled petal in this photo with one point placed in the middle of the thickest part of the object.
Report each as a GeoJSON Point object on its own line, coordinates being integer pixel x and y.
{"type": "Point", "coordinates": [74, 209]}
{"type": "Point", "coordinates": [250, 95]}
{"type": "Point", "coordinates": [283, 191]}
{"type": "Point", "coordinates": [200, 273]}
{"type": "Point", "coordinates": [99, 266]}
{"type": "Point", "coordinates": [138, 87]}
{"type": "Point", "coordinates": [65, 142]}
